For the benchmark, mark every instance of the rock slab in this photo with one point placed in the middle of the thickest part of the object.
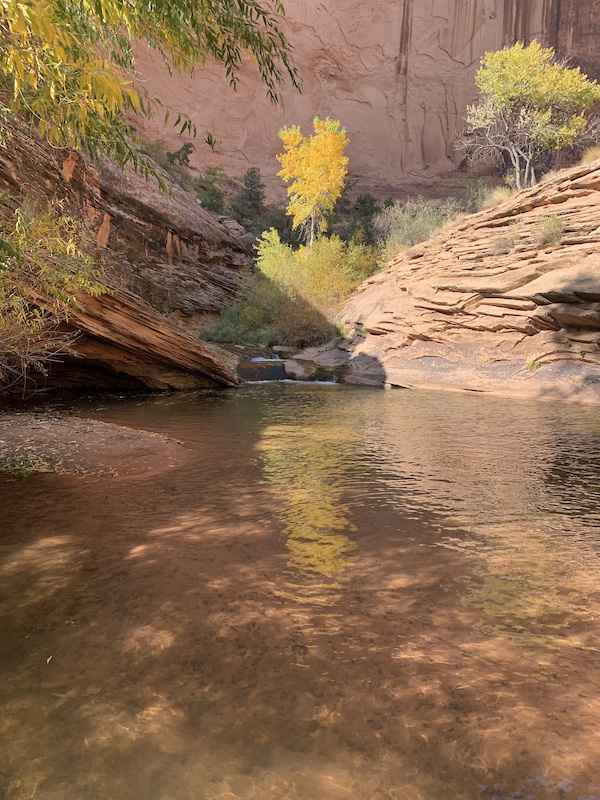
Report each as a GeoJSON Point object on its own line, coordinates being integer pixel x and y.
{"type": "Point", "coordinates": [491, 305]}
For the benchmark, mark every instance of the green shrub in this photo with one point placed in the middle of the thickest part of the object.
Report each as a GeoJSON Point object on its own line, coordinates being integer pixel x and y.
{"type": "Point", "coordinates": [361, 261]}
{"type": "Point", "coordinates": [181, 156]}
{"type": "Point", "coordinates": [295, 294]}
{"type": "Point", "coordinates": [181, 175]}
{"type": "Point", "coordinates": [363, 212]}
{"type": "Point", "coordinates": [275, 217]}
{"type": "Point", "coordinates": [210, 191]}
{"type": "Point", "coordinates": [268, 315]}
{"type": "Point", "coordinates": [323, 275]}
{"type": "Point", "coordinates": [476, 195]}
{"type": "Point", "coordinates": [405, 224]}
{"type": "Point", "coordinates": [214, 174]}
{"type": "Point", "coordinates": [42, 267]}
{"type": "Point", "coordinates": [174, 164]}
{"type": "Point", "coordinates": [157, 150]}
{"type": "Point", "coordinates": [213, 199]}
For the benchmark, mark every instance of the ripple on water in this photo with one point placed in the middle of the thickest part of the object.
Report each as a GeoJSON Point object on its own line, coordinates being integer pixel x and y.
{"type": "Point", "coordinates": [345, 594]}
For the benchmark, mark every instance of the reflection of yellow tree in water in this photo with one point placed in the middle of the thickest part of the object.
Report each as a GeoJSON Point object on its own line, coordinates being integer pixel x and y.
{"type": "Point", "coordinates": [306, 465]}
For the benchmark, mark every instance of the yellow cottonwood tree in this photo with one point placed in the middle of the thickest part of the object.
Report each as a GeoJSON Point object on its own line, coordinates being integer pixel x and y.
{"type": "Point", "coordinates": [316, 167]}
{"type": "Point", "coordinates": [531, 105]}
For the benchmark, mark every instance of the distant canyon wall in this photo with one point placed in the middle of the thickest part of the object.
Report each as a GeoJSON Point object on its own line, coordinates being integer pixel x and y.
{"type": "Point", "coordinates": [397, 73]}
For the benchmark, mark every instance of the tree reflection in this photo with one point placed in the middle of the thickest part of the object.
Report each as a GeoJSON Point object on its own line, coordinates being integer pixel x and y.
{"type": "Point", "coordinates": [306, 465]}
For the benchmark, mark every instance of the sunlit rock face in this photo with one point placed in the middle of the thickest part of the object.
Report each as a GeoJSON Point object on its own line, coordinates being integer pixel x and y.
{"type": "Point", "coordinates": [505, 302]}
{"type": "Point", "coordinates": [398, 73]}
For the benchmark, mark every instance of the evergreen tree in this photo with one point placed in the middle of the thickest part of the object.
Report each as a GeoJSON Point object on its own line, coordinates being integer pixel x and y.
{"type": "Point", "coordinates": [248, 203]}
{"type": "Point", "coordinates": [363, 211]}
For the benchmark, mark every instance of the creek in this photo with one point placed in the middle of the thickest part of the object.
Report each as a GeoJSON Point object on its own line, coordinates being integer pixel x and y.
{"type": "Point", "coordinates": [344, 593]}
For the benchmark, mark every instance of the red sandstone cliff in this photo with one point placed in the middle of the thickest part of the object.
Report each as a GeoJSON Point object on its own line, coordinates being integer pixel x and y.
{"type": "Point", "coordinates": [398, 73]}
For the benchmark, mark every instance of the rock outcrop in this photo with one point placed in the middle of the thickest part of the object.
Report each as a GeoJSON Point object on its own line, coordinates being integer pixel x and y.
{"type": "Point", "coordinates": [163, 247]}
{"type": "Point", "coordinates": [398, 73]}
{"type": "Point", "coordinates": [507, 301]}
{"type": "Point", "coordinates": [124, 343]}
{"type": "Point", "coordinates": [170, 251]}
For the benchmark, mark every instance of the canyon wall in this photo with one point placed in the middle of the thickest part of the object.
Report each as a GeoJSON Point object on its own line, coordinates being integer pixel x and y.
{"type": "Point", "coordinates": [397, 73]}
{"type": "Point", "coordinates": [160, 252]}
{"type": "Point", "coordinates": [506, 301]}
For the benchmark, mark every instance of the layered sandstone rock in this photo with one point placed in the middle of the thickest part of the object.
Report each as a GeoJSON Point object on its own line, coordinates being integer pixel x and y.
{"type": "Point", "coordinates": [163, 246]}
{"type": "Point", "coordinates": [170, 251]}
{"type": "Point", "coordinates": [160, 245]}
{"type": "Point", "coordinates": [491, 305]}
{"type": "Point", "coordinates": [398, 73]}
{"type": "Point", "coordinates": [124, 343]}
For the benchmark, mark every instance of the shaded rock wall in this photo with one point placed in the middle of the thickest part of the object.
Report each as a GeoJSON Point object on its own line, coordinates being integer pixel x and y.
{"type": "Point", "coordinates": [505, 302]}
{"type": "Point", "coordinates": [398, 73]}
{"type": "Point", "coordinates": [164, 247]}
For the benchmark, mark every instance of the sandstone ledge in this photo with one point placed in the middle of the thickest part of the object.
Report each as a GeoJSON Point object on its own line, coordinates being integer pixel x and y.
{"type": "Point", "coordinates": [488, 306]}
{"type": "Point", "coordinates": [124, 343]}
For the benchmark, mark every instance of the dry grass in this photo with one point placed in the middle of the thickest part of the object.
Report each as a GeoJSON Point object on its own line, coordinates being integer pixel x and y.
{"type": "Point", "coordinates": [498, 196]}
{"type": "Point", "coordinates": [547, 176]}
{"type": "Point", "coordinates": [42, 263]}
{"type": "Point", "coordinates": [591, 154]}
{"type": "Point", "coordinates": [503, 245]}
{"type": "Point", "coordinates": [550, 230]}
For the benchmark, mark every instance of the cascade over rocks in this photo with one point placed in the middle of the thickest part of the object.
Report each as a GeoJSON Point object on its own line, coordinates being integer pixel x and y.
{"type": "Point", "coordinates": [161, 252]}
{"type": "Point", "coordinates": [491, 305]}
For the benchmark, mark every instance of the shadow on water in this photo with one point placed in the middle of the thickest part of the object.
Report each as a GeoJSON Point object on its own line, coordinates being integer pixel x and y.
{"type": "Point", "coordinates": [308, 610]}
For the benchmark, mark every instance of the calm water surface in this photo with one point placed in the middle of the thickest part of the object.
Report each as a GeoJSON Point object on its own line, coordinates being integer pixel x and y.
{"type": "Point", "coordinates": [345, 594]}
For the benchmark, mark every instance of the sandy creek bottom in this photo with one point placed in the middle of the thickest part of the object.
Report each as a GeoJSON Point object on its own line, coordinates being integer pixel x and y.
{"type": "Point", "coordinates": [343, 594]}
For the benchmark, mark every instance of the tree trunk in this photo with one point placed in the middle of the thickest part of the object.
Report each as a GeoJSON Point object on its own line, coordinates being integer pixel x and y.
{"type": "Point", "coordinates": [514, 157]}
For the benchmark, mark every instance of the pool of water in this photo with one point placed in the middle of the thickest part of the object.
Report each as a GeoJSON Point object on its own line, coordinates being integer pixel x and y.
{"type": "Point", "coordinates": [346, 593]}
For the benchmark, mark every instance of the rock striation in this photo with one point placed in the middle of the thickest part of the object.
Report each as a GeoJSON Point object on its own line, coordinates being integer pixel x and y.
{"type": "Point", "coordinates": [161, 252]}
{"type": "Point", "coordinates": [398, 73]}
{"type": "Point", "coordinates": [124, 343]}
{"type": "Point", "coordinates": [163, 246]}
{"type": "Point", "coordinates": [170, 251]}
{"type": "Point", "coordinates": [507, 301]}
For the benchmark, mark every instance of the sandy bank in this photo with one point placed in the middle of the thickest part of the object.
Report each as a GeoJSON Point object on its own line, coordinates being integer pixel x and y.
{"type": "Point", "coordinates": [46, 442]}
